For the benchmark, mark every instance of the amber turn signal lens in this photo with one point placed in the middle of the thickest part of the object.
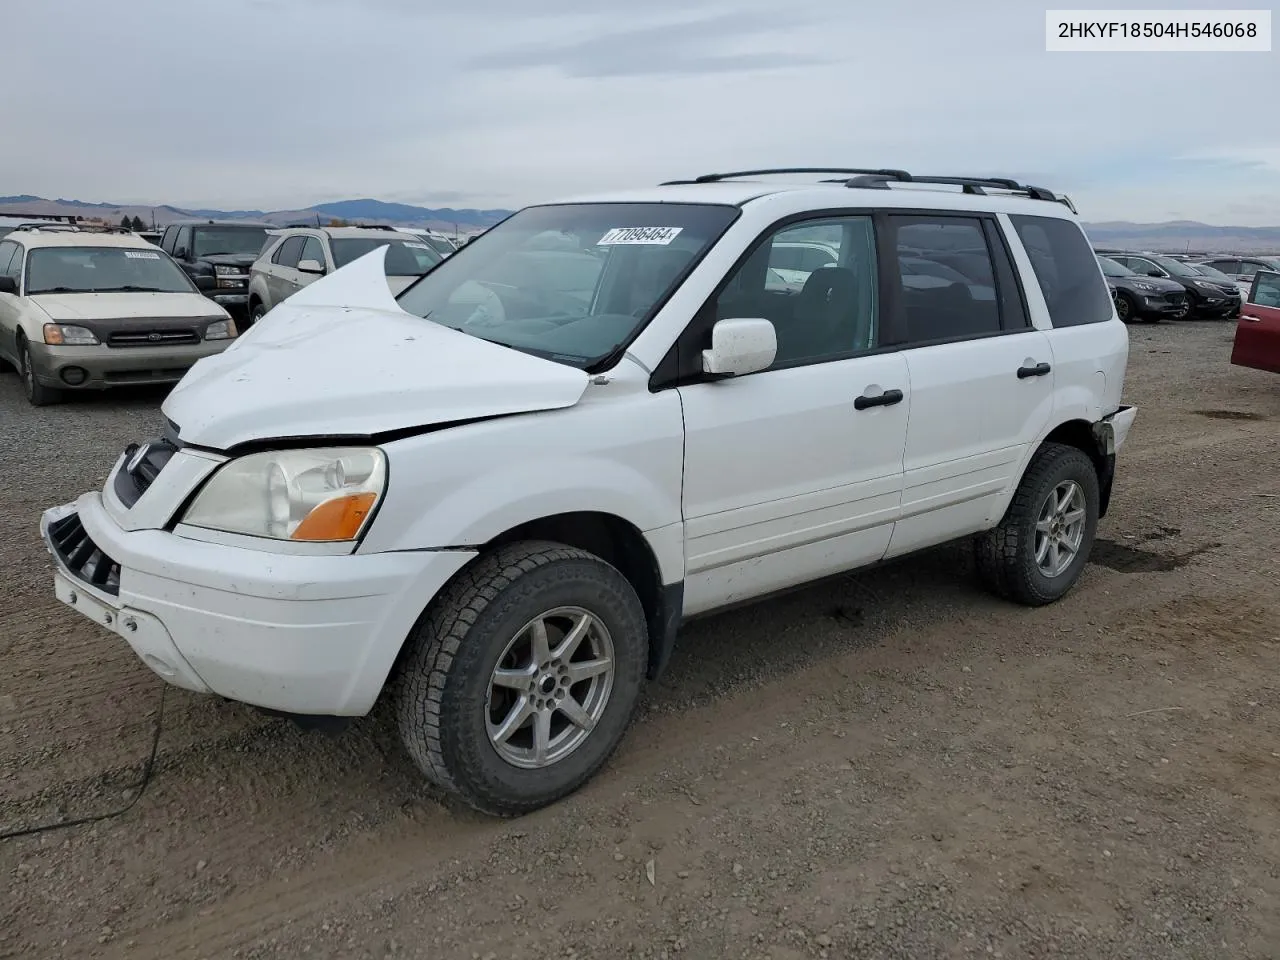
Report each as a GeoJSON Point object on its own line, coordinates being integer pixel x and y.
{"type": "Point", "coordinates": [336, 519]}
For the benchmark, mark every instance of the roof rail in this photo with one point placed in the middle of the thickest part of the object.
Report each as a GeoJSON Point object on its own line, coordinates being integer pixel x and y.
{"type": "Point", "coordinates": [775, 171]}
{"type": "Point", "coordinates": [50, 227]}
{"type": "Point", "coordinates": [880, 180]}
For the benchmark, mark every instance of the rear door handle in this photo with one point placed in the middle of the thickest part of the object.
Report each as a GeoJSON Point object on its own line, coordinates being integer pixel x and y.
{"type": "Point", "coordinates": [1039, 370]}
{"type": "Point", "coordinates": [886, 399]}
{"type": "Point", "coordinates": [1245, 316]}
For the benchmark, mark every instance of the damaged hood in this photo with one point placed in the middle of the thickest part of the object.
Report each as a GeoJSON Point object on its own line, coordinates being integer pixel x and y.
{"type": "Point", "coordinates": [340, 358]}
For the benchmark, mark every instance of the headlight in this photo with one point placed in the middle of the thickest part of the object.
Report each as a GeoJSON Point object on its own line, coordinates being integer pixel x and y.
{"type": "Point", "coordinates": [1204, 285]}
{"type": "Point", "coordinates": [68, 335]}
{"type": "Point", "coordinates": [220, 330]}
{"type": "Point", "coordinates": [322, 494]}
{"type": "Point", "coordinates": [1148, 287]}
{"type": "Point", "coordinates": [223, 271]}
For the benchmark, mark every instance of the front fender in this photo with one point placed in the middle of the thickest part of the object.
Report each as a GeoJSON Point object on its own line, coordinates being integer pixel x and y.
{"type": "Point", "coordinates": [465, 485]}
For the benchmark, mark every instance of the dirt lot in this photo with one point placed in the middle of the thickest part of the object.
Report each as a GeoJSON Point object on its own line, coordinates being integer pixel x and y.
{"type": "Point", "coordinates": [894, 765]}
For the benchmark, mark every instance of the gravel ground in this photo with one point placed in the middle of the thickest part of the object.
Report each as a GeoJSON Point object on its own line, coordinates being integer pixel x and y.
{"type": "Point", "coordinates": [893, 765]}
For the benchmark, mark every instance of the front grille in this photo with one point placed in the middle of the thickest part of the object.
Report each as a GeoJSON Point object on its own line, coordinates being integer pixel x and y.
{"type": "Point", "coordinates": [130, 485]}
{"type": "Point", "coordinates": [82, 557]}
{"type": "Point", "coordinates": [1175, 298]}
{"type": "Point", "coordinates": [152, 338]}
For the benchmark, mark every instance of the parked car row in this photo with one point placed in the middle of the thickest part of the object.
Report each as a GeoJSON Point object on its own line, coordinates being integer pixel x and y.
{"type": "Point", "coordinates": [1152, 286]}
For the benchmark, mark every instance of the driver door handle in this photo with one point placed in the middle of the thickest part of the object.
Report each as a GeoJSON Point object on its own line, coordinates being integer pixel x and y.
{"type": "Point", "coordinates": [1039, 370]}
{"type": "Point", "coordinates": [886, 399]}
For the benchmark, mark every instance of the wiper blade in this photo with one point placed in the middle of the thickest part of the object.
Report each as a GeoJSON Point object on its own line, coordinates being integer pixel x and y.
{"type": "Point", "coordinates": [36, 293]}
{"type": "Point", "coordinates": [129, 288]}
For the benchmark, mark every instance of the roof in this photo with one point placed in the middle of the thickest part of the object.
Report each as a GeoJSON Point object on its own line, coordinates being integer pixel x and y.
{"type": "Point", "coordinates": [206, 222]}
{"type": "Point", "coordinates": [63, 238]}
{"type": "Point", "coordinates": [339, 232]}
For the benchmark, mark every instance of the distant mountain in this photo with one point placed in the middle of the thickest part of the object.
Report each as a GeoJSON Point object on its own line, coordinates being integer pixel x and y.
{"type": "Point", "coordinates": [446, 219]}
{"type": "Point", "coordinates": [1177, 236]}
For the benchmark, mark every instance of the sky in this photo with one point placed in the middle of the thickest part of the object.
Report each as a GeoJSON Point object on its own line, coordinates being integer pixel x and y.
{"type": "Point", "coordinates": [279, 104]}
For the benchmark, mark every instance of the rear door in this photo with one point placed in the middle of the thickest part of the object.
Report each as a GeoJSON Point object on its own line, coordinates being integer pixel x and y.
{"type": "Point", "coordinates": [1257, 341]}
{"type": "Point", "coordinates": [981, 375]}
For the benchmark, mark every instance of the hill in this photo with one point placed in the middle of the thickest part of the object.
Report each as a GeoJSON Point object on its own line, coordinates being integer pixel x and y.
{"type": "Point", "coordinates": [1177, 236]}
{"type": "Point", "coordinates": [445, 219]}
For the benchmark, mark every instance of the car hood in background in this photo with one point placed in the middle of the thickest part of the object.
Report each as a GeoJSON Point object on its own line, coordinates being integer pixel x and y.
{"type": "Point", "coordinates": [243, 260]}
{"type": "Point", "coordinates": [1160, 283]}
{"type": "Point", "coordinates": [340, 358]}
{"type": "Point", "coordinates": [70, 307]}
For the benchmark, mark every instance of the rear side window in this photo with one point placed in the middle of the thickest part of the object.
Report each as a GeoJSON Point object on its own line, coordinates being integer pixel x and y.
{"type": "Point", "coordinates": [948, 279]}
{"type": "Point", "coordinates": [1066, 269]}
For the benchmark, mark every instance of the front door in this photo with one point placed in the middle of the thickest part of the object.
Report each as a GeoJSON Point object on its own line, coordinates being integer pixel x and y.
{"type": "Point", "coordinates": [1257, 341]}
{"type": "Point", "coordinates": [795, 472]}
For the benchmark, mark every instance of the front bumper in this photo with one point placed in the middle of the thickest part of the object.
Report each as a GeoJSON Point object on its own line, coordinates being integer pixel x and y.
{"type": "Point", "coordinates": [105, 366]}
{"type": "Point", "coordinates": [298, 634]}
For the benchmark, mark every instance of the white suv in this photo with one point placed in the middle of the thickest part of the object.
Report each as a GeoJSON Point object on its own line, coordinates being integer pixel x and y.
{"type": "Point", "coordinates": [500, 515]}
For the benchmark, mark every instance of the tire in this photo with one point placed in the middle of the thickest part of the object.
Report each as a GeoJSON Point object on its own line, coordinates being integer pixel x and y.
{"type": "Point", "coordinates": [1006, 557]}
{"type": "Point", "coordinates": [1126, 309]}
{"type": "Point", "coordinates": [442, 697]}
{"type": "Point", "coordinates": [38, 395]}
{"type": "Point", "coordinates": [256, 313]}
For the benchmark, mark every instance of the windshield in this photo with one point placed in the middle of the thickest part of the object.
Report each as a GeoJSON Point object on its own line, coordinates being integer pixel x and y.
{"type": "Point", "coordinates": [103, 270]}
{"type": "Point", "coordinates": [440, 244]}
{"type": "Point", "coordinates": [1112, 269]}
{"type": "Point", "coordinates": [212, 241]}
{"type": "Point", "coordinates": [570, 282]}
{"type": "Point", "coordinates": [1176, 267]}
{"type": "Point", "coordinates": [406, 258]}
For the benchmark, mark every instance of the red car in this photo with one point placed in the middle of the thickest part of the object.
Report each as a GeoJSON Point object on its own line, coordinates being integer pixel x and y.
{"type": "Point", "coordinates": [1257, 342]}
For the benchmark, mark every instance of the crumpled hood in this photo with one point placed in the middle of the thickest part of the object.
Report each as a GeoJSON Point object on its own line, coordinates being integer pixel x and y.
{"type": "Point", "coordinates": [70, 307]}
{"type": "Point", "coordinates": [340, 358]}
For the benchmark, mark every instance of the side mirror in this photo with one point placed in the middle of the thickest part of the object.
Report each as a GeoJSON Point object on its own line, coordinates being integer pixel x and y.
{"type": "Point", "coordinates": [181, 254]}
{"type": "Point", "coordinates": [739, 347]}
{"type": "Point", "coordinates": [9, 285]}
{"type": "Point", "coordinates": [310, 266]}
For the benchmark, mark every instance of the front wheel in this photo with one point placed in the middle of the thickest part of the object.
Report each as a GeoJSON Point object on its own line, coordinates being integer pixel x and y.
{"type": "Point", "coordinates": [522, 676]}
{"type": "Point", "coordinates": [1043, 542]}
{"type": "Point", "coordinates": [38, 395]}
{"type": "Point", "coordinates": [256, 313]}
{"type": "Point", "coordinates": [1126, 309]}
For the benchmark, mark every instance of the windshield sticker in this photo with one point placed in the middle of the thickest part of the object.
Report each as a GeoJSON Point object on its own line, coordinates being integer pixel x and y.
{"type": "Point", "coordinates": [660, 236]}
{"type": "Point", "coordinates": [141, 255]}
{"type": "Point", "coordinates": [416, 246]}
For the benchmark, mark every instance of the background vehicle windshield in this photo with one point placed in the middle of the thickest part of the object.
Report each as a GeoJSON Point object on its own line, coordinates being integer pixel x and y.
{"type": "Point", "coordinates": [406, 258]}
{"type": "Point", "coordinates": [1176, 267]}
{"type": "Point", "coordinates": [104, 270]}
{"type": "Point", "coordinates": [1112, 269]}
{"type": "Point", "coordinates": [570, 281]}
{"type": "Point", "coordinates": [211, 241]}
{"type": "Point", "coordinates": [1207, 271]}
{"type": "Point", "coordinates": [440, 244]}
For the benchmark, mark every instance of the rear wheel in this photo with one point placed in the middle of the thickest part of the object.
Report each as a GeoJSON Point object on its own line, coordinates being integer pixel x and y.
{"type": "Point", "coordinates": [38, 395]}
{"type": "Point", "coordinates": [1043, 542]}
{"type": "Point", "coordinates": [522, 677]}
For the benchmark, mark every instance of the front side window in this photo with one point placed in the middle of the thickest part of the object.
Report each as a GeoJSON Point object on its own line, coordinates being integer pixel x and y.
{"type": "Point", "coordinates": [1266, 289]}
{"type": "Point", "coordinates": [948, 278]}
{"type": "Point", "coordinates": [508, 286]}
{"type": "Point", "coordinates": [831, 311]}
{"type": "Point", "coordinates": [405, 258]}
{"type": "Point", "coordinates": [312, 250]}
{"type": "Point", "coordinates": [103, 270]}
{"type": "Point", "coordinates": [290, 252]}
{"type": "Point", "coordinates": [234, 241]}
{"type": "Point", "coordinates": [10, 260]}
{"type": "Point", "coordinates": [1067, 270]}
